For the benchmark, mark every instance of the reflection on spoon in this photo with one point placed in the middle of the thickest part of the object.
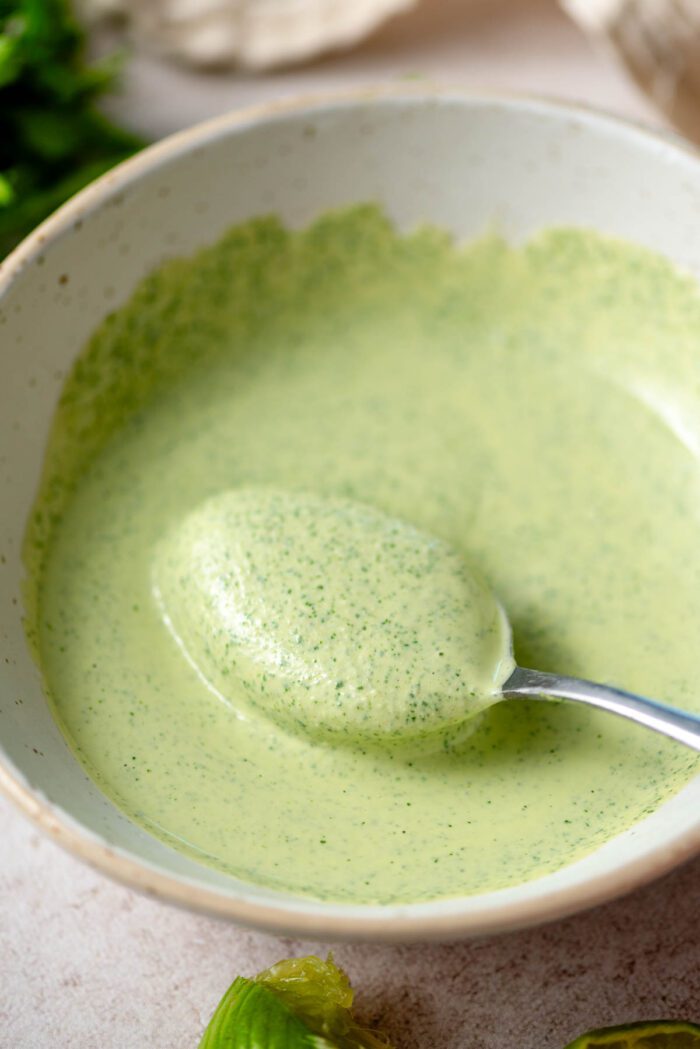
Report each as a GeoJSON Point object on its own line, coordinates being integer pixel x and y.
{"type": "Point", "coordinates": [338, 621]}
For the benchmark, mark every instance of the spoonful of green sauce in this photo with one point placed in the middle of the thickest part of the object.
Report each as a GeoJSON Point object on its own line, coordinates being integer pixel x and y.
{"type": "Point", "coordinates": [335, 620]}
{"type": "Point", "coordinates": [330, 617]}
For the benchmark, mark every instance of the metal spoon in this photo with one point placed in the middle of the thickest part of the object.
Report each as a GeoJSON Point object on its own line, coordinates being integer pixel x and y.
{"type": "Point", "coordinates": [239, 614]}
{"type": "Point", "coordinates": [670, 721]}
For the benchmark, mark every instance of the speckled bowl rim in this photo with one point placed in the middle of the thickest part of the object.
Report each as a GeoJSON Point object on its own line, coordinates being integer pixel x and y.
{"type": "Point", "coordinates": [281, 918]}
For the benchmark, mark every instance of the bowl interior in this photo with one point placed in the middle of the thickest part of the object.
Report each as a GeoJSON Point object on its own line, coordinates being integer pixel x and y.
{"type": "Point", "coordinates": [460, 163]}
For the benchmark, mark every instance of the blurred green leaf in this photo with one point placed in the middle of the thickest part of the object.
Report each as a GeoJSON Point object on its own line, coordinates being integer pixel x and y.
{"type": "Point", "coordinates": [7, 193]}
{"type": "Point", "coordinates": [10, 58]}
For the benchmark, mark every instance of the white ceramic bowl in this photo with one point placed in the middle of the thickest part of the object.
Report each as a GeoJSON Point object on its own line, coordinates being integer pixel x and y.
{"type": "Point", "coordinates": [460, 162]}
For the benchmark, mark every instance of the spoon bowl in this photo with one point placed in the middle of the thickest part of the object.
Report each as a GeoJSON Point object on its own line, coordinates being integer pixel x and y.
{"type": "Point", "coordinates": [330, 618]}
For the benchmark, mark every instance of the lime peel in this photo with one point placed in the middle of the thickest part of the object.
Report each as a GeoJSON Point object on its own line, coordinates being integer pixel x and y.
{"type": "Point", "coordinates": [299, 1003]}
{"type": "Point", "coordinates": [249, 1015]}
{"type": "Point", "coordinates": [647, 1034]}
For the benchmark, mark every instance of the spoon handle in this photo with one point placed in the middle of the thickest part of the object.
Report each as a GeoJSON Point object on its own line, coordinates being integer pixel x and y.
{"type": "Point", "coordinates": [670, 721]}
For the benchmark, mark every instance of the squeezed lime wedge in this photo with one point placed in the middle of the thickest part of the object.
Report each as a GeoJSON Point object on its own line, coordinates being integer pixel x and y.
{"type": "Point", "coordinates": [299, 1003]}
{"type": "Point", "coordinates": [250, 1016]}
{"type": "Point", "coordinates": [649, 1034]}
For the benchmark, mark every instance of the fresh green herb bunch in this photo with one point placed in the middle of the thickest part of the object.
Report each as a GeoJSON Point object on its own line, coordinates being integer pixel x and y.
{"type": "Point", "coordinates": [52, 138]}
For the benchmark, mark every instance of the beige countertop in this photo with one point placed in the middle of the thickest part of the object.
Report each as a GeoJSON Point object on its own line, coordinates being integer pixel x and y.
{"type": "Point", "coordinates": [87, 964]}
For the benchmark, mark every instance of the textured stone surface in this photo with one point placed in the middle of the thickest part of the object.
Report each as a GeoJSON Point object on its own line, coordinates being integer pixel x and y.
{"type": "Point", "coordinates": [87, 964]}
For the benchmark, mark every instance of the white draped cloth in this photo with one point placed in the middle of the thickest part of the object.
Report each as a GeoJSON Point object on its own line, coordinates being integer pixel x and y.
{"type": "Point", "coordinates": [659, 42]}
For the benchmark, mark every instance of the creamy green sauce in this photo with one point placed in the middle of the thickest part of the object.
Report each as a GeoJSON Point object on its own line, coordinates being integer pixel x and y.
{"type": "Point", "coordinates": [331, 618]}
{"type": "Point", "coordinates": [537, 409]}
